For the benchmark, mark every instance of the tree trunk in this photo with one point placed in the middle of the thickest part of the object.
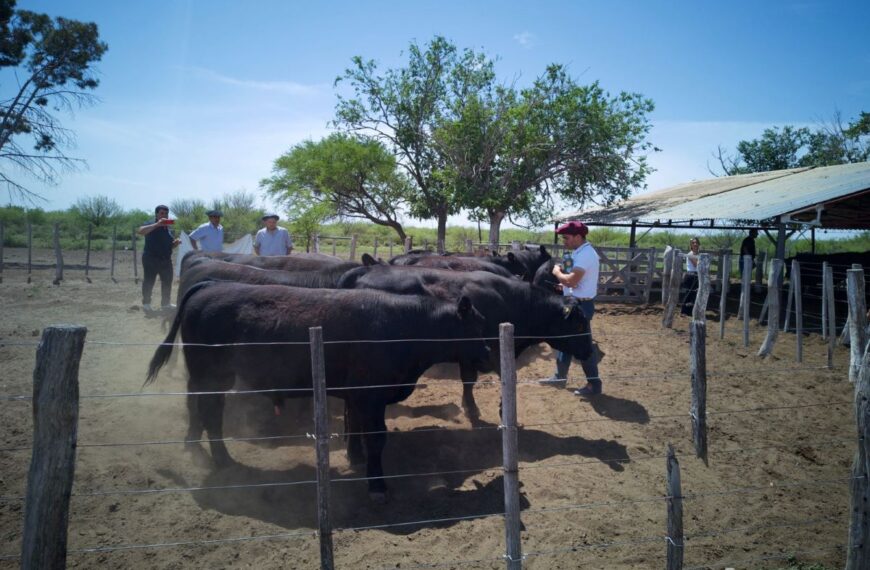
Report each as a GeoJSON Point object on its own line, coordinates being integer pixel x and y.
{"type": "Point", "coordinates": [442, 226]}
{"type": "Point", "coordinates": [495, 219]}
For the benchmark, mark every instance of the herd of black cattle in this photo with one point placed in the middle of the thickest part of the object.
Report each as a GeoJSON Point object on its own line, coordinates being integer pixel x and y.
{"type": "Point", "coordinates": [246, 318]}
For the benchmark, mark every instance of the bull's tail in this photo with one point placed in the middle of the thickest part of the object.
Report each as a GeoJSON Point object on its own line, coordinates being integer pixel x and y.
{"type": "Point", "coordinates": [164, 351]}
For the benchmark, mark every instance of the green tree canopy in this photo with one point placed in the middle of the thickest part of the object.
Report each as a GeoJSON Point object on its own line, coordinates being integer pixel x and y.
{"type": "Point", "coordinates": [402, 108]}
{"type": "Point", "coordinates": [340, 176]}
{"type": "Point", "coordinates": [46, 66]}
{"type": "Point", "coordinates": [97, 210]}
{"type": "Point", "coordinates": [791, 147]}
{"type": "Point", "coordinates": [515, 154]}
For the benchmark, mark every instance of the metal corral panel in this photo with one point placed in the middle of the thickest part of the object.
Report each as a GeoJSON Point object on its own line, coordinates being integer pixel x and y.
{"type": "Point", "coordinates": [760, 196]}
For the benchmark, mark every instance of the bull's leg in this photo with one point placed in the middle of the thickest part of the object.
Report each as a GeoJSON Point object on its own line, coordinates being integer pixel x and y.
{"type": "Point", "coordinates": [468, 375]}
{"type": "Point", "coordinates": [375, 437]}
{"type": "Point", "coordinates": [353, 426]}
{"type": "Point", "coordinates": [194, 422]}
{"type": "Point", "coordinates": [211, 409]}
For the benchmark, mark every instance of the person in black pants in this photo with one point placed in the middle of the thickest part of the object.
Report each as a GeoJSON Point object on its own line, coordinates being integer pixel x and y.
{"type": "Point", "coordinates": [690, 278]}
{"type": "Point", "coordinates": [157, 259]}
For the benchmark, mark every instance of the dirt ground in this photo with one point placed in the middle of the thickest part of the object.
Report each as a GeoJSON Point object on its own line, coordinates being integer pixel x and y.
{"type": "Point", "coordinates": [592, 472]}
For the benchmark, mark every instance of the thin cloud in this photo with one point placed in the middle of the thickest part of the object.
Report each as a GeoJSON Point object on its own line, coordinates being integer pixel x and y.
{"type": "Point", "coordinates": [525, 39]}
{"type": "Point", "coordinates": [287, 87]}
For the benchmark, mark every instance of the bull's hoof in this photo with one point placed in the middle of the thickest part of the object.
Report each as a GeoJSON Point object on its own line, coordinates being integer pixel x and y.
{"type": "Point", "coordinates": [378, 497]}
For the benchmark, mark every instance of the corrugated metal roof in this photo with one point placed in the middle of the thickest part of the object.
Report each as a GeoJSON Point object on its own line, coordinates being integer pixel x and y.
{"type": "Point", "coordinates": [759, 197]}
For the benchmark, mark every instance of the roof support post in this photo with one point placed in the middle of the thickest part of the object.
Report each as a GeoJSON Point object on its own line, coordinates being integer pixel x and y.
{"type": "Point", "coordinates": [632, 241]}
{"type": "Point", "coordinates": [813, 240]}
{"type": "Point", "coordinates": [780, 240]}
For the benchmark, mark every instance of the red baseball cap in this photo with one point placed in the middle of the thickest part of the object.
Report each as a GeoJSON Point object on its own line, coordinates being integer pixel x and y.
{"type": "Point", "coordinates": [573, 228]}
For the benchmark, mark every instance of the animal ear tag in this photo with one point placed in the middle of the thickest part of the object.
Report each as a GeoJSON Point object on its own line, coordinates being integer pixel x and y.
{"type": "Point", "coordinates": [566, 311]}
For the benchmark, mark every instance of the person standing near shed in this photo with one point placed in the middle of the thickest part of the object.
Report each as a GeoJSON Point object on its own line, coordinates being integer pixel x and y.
{"type": "Point", "coordinates": [157, 258]}
{"type": "Point", "coordinates": [747, 247]}
{"type": "Point", "coordinates": [272, 240]}
{"type": "Point", "coordinates": [210, 235]}
{"type": "Point", "coordinates": [690, 279]}
{"type": "Point", "coordinates": [578, 277]}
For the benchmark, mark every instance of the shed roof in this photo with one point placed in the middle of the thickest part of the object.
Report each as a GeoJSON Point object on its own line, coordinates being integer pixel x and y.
{"type": "Point", "coordinates": [840, 194]}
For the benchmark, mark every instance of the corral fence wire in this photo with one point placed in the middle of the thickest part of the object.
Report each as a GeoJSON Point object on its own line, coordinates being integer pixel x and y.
{"type": "Point", "coordinates": [54, 443]}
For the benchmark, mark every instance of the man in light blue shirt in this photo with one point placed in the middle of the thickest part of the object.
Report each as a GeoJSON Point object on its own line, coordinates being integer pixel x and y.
{"type": "Point", "coordinates": [272, 240]}
{"type": "Point", "coordinates": [210, 235]}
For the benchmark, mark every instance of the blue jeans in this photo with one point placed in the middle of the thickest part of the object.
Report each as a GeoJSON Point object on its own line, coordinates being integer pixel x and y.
{"type": "Point", "coordinates": [590, 365]}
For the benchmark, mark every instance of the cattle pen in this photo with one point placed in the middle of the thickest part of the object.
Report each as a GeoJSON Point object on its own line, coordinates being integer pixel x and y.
{"type": "Point", "coordinates": [614, 496]}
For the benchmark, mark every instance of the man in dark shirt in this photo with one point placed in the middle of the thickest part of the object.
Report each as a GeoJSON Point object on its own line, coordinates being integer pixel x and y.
{"type": "Point", "coordinates": [157, 258]}
{"type": "Point", "coordinates": [747, 247]}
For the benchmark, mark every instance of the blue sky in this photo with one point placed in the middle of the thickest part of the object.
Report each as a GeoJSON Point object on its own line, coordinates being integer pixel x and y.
{"type": "Point", "coordinates": [198, 97]}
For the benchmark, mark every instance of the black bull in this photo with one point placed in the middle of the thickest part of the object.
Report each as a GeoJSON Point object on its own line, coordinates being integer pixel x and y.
{"type": "Point", "coordinates": [217, 313]}
{"type": "Point", "coordinates": [537, 314]}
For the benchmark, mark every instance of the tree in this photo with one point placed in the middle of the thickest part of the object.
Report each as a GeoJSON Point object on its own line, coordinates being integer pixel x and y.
{"type": "Point", "coordinates": [97, 210]}
{"type": "Point", "coordinates": [515, 154]}
{"type": "Point", "coordinates": [356, 176]}
{"type": "Point", "coordinates": [790, 147]}
{"type": "Point", "coordinates": [50, 63]}
{"type": "Point", "coordinates": [402, 109]}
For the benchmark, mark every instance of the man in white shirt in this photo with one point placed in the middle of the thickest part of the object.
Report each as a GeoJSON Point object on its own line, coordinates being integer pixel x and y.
{"type": "Point", "coordinates": [272, 240]}
{"type": "Point", "coordinates": [578, 277]}
{"type": "Point", "coordinates": [210, 235]}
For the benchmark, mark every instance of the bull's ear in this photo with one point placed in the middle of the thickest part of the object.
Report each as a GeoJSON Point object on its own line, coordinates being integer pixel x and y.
{"type": "Point", "coordinates": [464, 307]}
{"type": "Point", "coordinates": [368, 260]}
{"type": "Point", "coordinates": [511, 256]}
{"type": "Point", "coordinates": [495, 253]}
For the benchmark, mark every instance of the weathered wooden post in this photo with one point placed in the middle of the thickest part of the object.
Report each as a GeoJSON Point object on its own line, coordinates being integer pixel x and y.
{"type": "Point", "coordinates": [673, 289]}
{"type": "Point", "coordinates": [698, 359]}
{"type": "Point", "coordinates": [390, 245]}
{"type": "Point", "coordinates": [774, 279]}
{"type": "Point", "coordinates": [316, 243]}
{"type": "Point", "coordinates": [746, 297]}
{"type": "Point", "coordinates": [135, 261]}
{"type": "Point", "coordinates": [723, 294]}
{"type": "Point", "coordinates": [513, 555]}
{"type": "Point", "coordinates": [789, 303]}
{"type": "Point", "coordinates": [832, 316]}
{"type": "Point", "coordinates": [721, 271]}
{"type": "Point", "coordinates": [407, 244]}
{"type": "Point", "coordinates": [29, 251]}
{"type": "Point", "coordinates": [667, 264]}
{"type": "Point", "coordinates": [858, 551]}
{"type": "Point", "coordinates": [352, 248]}
{"type": "Point", "coordinates": [798, 310]}
{"type": "Point", "coordinates": [114, 245]}
{"type": "Point", "coordinates": [469, 247]}
{"type": "Point", "coordinates": [759, 268]}
{"type": "Point", "coordinates": [845, 336]}
{"type": "Point", "coordinates": [55, 428]}
{"type": "Point", "coordinates": [650, 271]}
{"type": "Point", "coordinates": [375, 249]}
{"type": "Point", "coordinates": [88, 253]}
{"type": "Point", "coordinates": [675, 512]}
{"type": "Point", "coordinates": [58, 256]}
{"type": "Point", "coordinates": [857, 320]}
{"type": "Point", "coordinates": [321, 434]}
{"type": "Point", "coordinates": [333, 246]}
{"type": "Point", "coordinates": [824, 300]}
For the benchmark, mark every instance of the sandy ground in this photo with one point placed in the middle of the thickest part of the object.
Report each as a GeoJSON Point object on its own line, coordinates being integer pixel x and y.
{"type": "Point", "coordinates": [592, 473]}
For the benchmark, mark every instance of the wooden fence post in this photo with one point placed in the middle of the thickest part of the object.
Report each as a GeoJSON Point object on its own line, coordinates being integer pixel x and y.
{"type": "Point", "coordinates": [321, 434]}
{"type": "Point", "coordinates": [352, 248]}
{"type": "Point", "coordinates": [2, 241]}
{"type": "Point", "coordinates": [774, 279]}
{"type": "Point", "coordinates": [407, 244]}
{"type": "Point", "coordinates": [824, 300]}
{"type": "Point", "coordinates": [650, 271]}
{"type": "Point", "coordinates": [789, 303]}
{"type": "Point", "coordinates": [390, 245]}
{"type": "Point", "coordinates": [55, 428]}
{"type": "Point", "coordinates": [723, 294]}
{"type": "Point", "coordinates": [375, 249]}
{"type": "Point", "coordinates": [857, 320]}
{"type": "Point", "coordinates": [667, 264]}
{"type": "Point", "coordinates": [135, 261]}
{"type": "Point", "coordinates": [675, 512]}
{"type": "Point", "coordinates": [858, 551]}
{"type": "Point", "coordinates": [88, 253]}
{"type": "Point", "coordinates": [673, 289]}
{"type": "Point", "coordinates": [316, 243]}
{"type": "Point", "coordinates": [58, 256]}
{"type": "Point", "coordinates": [798, 310]}
{"type": "Point", "coordinates": [698, 359]}
{"type": "Point", "coordinates": [114, 244]}
{"type": "Point", "coordinates": [746, 296]}
{"type": "Point", "coordinates": [832, 315]}
{"type": "Point", "coordinates": [469, 247]}
{"type": "Point", "coordinates": [845, 336]}
{"type": "Point", "coordinates": [509, 447]}
{"type": "Point", "coordinates": [29, 251]}
{"type": "Point", "coordinates": [759, 269]}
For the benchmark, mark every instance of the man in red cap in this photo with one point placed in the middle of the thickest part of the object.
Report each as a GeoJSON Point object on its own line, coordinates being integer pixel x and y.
{"type": "Point", "coordinates": [578, 276]}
